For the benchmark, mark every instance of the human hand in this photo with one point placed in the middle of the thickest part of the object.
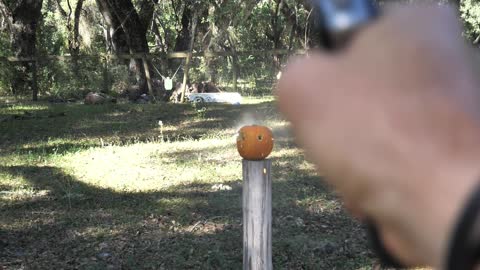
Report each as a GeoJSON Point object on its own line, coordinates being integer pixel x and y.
{"type": "Point", "coordinates": [393, 122]}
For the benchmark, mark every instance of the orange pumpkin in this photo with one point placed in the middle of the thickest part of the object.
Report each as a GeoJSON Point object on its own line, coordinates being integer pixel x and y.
{"type": "Point", "coordinates": [254, 142]}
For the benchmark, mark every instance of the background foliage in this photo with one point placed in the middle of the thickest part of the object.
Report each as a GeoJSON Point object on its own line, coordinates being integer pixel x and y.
{"type": "Point", "coordinates": [221, 25]}
{"type": "Point", "coordinates": [470, 14]}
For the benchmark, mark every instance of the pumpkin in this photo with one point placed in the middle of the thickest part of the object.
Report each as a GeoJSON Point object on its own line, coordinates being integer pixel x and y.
{"type": "Point", "coordinates": [254, 142]}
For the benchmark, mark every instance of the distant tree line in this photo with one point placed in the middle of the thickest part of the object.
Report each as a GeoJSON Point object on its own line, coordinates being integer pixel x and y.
{"type": "Point", "coordinates": [76, 27]}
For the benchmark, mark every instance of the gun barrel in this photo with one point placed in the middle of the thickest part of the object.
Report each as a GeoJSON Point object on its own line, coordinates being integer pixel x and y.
{"type": "Point", "coordinates": [338, 20]}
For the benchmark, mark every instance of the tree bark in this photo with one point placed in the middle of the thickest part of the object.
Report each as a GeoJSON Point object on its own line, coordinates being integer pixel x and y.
{"type": "Point", "coordinates": [72, 27]}
{"type": "Point", "coordinates": [187, 62]}
{"type": "Point", "coordinates": [235, 61]}
{"type": "Point", "coordinates": [304, 33]}
{"type": "Point", "coordinates": [114, 31]}
{"type": "Point", "coordinates": [291, 38]}
{"type": "Point", "coordinates": [129, 33]}
{"type": "Point", "coordinates": [147, 8]}
{"type": "Point", "coordinates": [183, 38]}
{"type": "Point", "coordinates": [25, 17]}
{"type": "Point", "coordinates": [208, 40]}
{"type": "Point", "coordinates": [276, 35]}
{"type": "Point", "coordinates": [136, 39]}
{"type": "Point", "coordinates": [290, 14]}
{"type": "Point", "coordinates": [75, 46]}
{"type": "Point", "coordinates": [158, 37]}
{"type": "Point", "coordinates": [6, 15]}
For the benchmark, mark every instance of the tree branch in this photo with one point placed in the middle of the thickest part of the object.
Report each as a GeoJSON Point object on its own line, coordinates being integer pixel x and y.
{"type": "Point", "coordinates": [147, 8]}
{"type": "Point", "coordinates": [61, 10]}
{"type": "Point", "coordinates": [291, 16]}
{"type": "Point", "coordinates": [69, 9]}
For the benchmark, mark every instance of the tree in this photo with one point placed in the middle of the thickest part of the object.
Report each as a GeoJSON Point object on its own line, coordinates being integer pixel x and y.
{"type": "Point", "coordinates": [127, 32]}
{"type": "Point", "coordinates": [276, 32]}
{"type": "Point", "coordinates": [184, 35]}
{"type": "Point", "coordinates": [139, 26]}
{"type": "Point", "coordinates": [72, 27]}
{"type": "Point", "coordinates": [22, 18]}
{"type": "Point", "coordinates": [470, 14]}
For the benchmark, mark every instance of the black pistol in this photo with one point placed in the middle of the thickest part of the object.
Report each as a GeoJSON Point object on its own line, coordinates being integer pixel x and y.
{"type": "Point", "coordinates": [337, 20]}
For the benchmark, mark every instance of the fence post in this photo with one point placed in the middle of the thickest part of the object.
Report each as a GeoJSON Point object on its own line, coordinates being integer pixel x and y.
{"type": "Point", "coordinates": [257, 215]}
{"type": "Point", "coordinates": [186, 70]}
{"type": "Point", "coordinates": [35, 79]}
{"type": "Point", "coordinates": [106, 76]}
{"type": "Point", "coordinates": [146, 67]}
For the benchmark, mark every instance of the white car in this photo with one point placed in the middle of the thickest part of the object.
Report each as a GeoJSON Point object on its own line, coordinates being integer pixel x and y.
{"type": "Point", "coordinates": [222, 97]}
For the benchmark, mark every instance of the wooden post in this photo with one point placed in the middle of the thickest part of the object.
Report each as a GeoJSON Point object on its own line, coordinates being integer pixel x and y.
{"type": "Point", "coordinates": [34, 80]}
{"type": "Point", "coordinates": [235, 68]}
{"type": "Point", "coordinates": [106, 77]}
{"type": "Point", "coordinates": [146, 67]}
{"type": "Point", "coordinates": [186, 69]}
{"type": "Point", "coordinates": [189, 56]}
{"type": "Point", "coordinates": [235, 73]}
{"type": "Point", "coordinates": [257, 215]}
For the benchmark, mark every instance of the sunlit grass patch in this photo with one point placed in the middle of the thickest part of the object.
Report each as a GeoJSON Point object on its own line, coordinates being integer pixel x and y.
{"type": "Point", "coordinates": [257, 100]}
{"type": "Point", "coordinates": [155, 166]}
{"type": "Point", "coordinates": [10, 109]}
{"type": "Point", "coordinates": [10, 179]}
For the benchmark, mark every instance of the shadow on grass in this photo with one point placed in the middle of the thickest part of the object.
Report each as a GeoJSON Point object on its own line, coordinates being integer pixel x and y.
{"type": "Point", "coordinates": [55, 149]}
{"type": "Point", "coordinates": [75, 225]}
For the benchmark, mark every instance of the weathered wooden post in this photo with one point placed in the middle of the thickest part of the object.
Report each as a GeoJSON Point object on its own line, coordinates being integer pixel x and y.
{"type": "Point", "coordinates": [146, 67]}
{"type": "Point", "coordinates": [257, 215]}
{"type": "Point", "coordinates": [254, 143]}
{"type": "Point", "coordinates": [106, 76]}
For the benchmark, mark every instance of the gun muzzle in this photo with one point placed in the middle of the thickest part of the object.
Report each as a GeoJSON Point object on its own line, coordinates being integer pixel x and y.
{"type": "Point", "coordinates": [338, 20]}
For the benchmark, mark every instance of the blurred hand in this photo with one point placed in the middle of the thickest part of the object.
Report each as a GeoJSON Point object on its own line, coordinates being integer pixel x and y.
{"type": "Point", "coordinates": [394, 124]}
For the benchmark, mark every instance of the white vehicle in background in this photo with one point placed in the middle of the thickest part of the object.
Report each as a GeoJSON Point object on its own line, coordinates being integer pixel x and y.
{"type": "Point", "coordinates": [215, 97]}
{"type": "Point", "coordinates": [222, 97]}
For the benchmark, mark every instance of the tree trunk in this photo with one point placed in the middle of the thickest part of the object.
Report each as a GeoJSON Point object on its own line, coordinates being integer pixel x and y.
{"type": "Point", "coordinates": [72, 27]}
{"type": "Point", "coordinates": [136, 40]}
{"type": "Point", "coordinates": [114, 32]}
{"type": "Point", "coordinates": [304, 33]}
{"type": "Point", "coordinates": [6, 16]}
{"type": "Point", "coordinates": [223, 21]}
{"type": "Point", "coordinates": [187, 62]}
{"type": "Point", "coordinates": [183, 38]}
{"type": "Point", "coordinates": [292, 17]}
{"type": "Point", "coordinates": [25, 17]}
{"type": "Point", "coordinates": [158, 37]}
{"type": "Point", "coordinates": [129, 33]}
{"type": "Point", "coordinates": [208, 43]}
{"type": "Point", "coordinates": [147, 9]}
{"type": "Point", "coordinates": [235, 68]}
{"type": "Point", "coordinates": [235, 71]}
{"type": "Point", "coordinates": [75, 46]}
{"type": "Point", "coordinates": [275, 37]}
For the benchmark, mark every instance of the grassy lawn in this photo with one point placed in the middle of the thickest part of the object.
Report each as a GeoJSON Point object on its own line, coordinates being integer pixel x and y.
{"type": "Point", "coordinates": [108, 187]}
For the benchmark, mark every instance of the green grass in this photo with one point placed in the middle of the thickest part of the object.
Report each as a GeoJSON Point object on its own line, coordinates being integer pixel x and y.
{"type": "Point", "coordinates": [107, 187]}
